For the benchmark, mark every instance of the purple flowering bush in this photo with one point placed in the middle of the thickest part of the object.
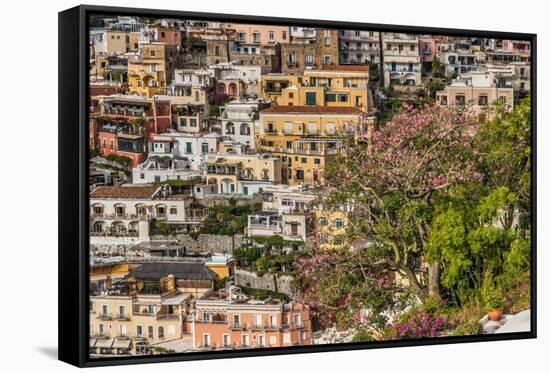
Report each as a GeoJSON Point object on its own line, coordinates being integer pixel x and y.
{"type": "Point", "coordinates": [416, 325]}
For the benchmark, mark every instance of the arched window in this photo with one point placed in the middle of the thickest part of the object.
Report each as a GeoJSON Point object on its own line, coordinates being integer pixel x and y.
{"type": "Point", "coordinates": [99, 227]}
{"type": "Point", "coordinates": [160, 211]}
{"type": "Point", "coordinates": [245, 129]}
{"type": "Point", "coordinates": [230, 128]}
{"type": "Point", "coordinates": [120, 209]}
{"type": "Point", "coordinates": [97, 209]}
{"type": "Point", "coordinates": [161, 332]}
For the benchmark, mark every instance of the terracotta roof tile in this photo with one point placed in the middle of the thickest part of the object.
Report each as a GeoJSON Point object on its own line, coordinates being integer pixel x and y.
{"type": "Point", "coordinates": [132, 192]}
{"type": "Point", "coordinates": [312, 110]}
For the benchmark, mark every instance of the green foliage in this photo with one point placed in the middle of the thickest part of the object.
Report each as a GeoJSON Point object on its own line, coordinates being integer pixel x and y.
{"type": "Point", "coordinates": [491, 295]}
{"type": "Point", "coordinates": [263, 294]}
{"type": "Point", "coordinates": [228, 220]}
{"type": "Point", "coordinates": [438, 69]}
{"type": "Point", "coordinates": [247, 255]}
{"type": "Point", "coordinates": [362, 336]}
{"type": "Point", "coordinates": [470, 327]}
{"type": "Point", "coordinates": [160, 227]}
{"type": "Point", "coordinates": [120, 159]}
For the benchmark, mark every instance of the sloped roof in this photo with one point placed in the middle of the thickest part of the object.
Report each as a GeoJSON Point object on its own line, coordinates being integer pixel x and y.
{"type": "Point", "coordinates": [181, 271]}
{"type": "Point", "coordinates": [132, 192]}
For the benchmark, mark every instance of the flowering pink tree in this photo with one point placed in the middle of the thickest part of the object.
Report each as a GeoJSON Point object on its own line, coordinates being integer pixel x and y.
{"type": "Point", "coordinates": [391, 179]}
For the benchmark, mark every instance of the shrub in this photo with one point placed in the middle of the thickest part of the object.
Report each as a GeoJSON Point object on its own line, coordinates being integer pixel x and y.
{"type": "Point", "coordinates": [416, 325]}
{"type": "Point", "coordinates": [470, 327]}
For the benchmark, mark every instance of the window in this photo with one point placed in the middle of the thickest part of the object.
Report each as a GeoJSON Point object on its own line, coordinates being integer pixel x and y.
{"type": "Point", "coordinates": [311, 98]}
{"type": "Point", "coordinates": [245, 340]}
{"type": "Point", "coordinates": [338, 223]}
{"type": "Point", "coordinates": [284, 35]}
{"type": "Point", "coordinates": [297, 319]}
{"type": "Point", "coordinates": [183, 122]}
{"type": "Point", "coordinates": [412, 47]}
{"type": "Point", "coordinates": [330, 97]}
{"type": "Point", "coordinates": [288, 144]}
{"type": "Point", "coordinates": [152, 53]}
{"type": "Point", "coordinates": [101, 329]}
{"type": "Point", "coordinates": [97, 209]}
{"type": "Point", "coordinates": [173, 211]}
{"type": "Point", "coordinates": [204, 147]}
{"type": "Point", "coordinates": [317, 161]}
{"type": "Point", "coordinates": [323, 221]}
{"type": "Point", "coordinates": [242, 36]}
{"type": "Point", "coordinates": [150, 332]}
{"type": "Point", "coordinates": [483, 100]}
{"type": "Point", "coordinates": [328, 60]}
{"type": "Point", "coordinates": [460, 100]}
{"type": "Point", "coordinates": [226, 340]}
{"type": "Point", "coordinates": [309, 59]}
{"type": "Point", "coordinates": [303, 160]}
{"type": "Point", "coordinates": [154, 67]}
{"type": "Point", "coordinates": [290, 94]}
{"type": "Point", "coordinates": [237, 319]}
{"type": "Point", "coordinates": [256, 37]}
{"type": "Point", "coordinates": [139, 330]}
{"type": "Point", "coordinates": [286, 202]}
{"type": "Point", "coordinates": [192, 122]}
{"type": "Point", "coordinates": [327, 40]}
{"type": "Point", "coordinates": [291, 58]}
{"type": "Point", "coordinates": [161, 332]}
{"type": "Point", "coordinates": [217, 50]}
{"type": "Point", "coordinates": [271, 35]}
{"type": "Point", "coordinates": [188, 148]}
{"type": "Point", "coordinates": [342, 98]}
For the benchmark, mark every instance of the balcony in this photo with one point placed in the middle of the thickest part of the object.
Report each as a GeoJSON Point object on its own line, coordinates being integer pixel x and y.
{"type": "Point", "coordinates": [103, 335]}
{"type": "Point", "coordinates": [257, 327]}
{"type": "Point", "coordinates": [122, 317]}
{"type": "Point", "coordinates": [272, 327]}
{"type": "Point", "coordinates": [104, 316]}
{"type": "Point", "coordinates": [237, 326]}
{"type": "Point", "coordinates": [168, 316]}
{"type": "Point", "coordinates": [271, 131]}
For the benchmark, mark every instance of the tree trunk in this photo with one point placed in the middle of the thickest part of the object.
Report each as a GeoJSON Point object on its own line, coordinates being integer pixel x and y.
{"type": "Point", "coordinates": [434, 270]}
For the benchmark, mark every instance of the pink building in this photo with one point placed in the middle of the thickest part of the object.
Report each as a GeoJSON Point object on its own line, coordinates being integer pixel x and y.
{"type": "Point", "coordinates": [427, 49]}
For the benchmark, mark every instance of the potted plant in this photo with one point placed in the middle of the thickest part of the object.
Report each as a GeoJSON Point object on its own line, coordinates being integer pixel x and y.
{"type": "Point", "coordinates": [492, 298]}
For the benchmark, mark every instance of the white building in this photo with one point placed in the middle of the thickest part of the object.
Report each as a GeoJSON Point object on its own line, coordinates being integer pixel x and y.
{"type": "Point", "coordinates": [240, 118]}
{"type": "Point", "coordinates": [358, 47]}
{"type": "Point", "coordinates": [402, 64]}
{"type": "Point", "coordinates": [122, 214]}
{"type": "Point", "coordinates": [236, 80]}
{"type": "Point", "coordinates": [286, 211]}
{"type": "Point", "coordinates": [174, 155]}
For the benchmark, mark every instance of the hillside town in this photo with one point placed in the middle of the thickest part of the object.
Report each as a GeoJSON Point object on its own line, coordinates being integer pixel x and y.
{"type": "Point", "coordinates": [217, 169]}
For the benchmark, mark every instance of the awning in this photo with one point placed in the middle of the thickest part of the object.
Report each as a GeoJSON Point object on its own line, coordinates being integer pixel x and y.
{"type": "Point", "coordinates": [92, 342]}
{"type": "Point", "coordinates": [122, 343]}
{"type": "Point", "coordinates": [104, 343]}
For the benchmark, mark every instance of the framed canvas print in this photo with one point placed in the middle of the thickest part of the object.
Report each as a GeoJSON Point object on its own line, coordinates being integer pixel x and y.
{"type": "Point", "coordinates": [236, 186]}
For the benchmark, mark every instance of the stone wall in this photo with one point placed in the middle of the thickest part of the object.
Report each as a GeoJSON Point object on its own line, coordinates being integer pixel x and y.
{"type": "Point", "coordinates": [206, 242]}
{"type": "Point", "coordinates": [280, 284]}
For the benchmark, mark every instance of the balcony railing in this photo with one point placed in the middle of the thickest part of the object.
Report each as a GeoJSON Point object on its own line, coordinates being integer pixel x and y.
{"type": "Point", "coordinates": [104, 316]}
{"type": "Point", "coordinates": [122, 317]}
{"type": "Point", "coordinates": [167, 316]}
{"type": "Point", "coordinates": [237, 326]}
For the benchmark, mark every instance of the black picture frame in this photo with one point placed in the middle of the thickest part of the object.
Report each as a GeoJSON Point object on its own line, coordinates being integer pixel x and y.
{"type": "Point", "coordinates": [73, 186]}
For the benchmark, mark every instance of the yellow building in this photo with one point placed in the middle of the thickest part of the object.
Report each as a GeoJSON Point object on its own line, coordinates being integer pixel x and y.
{"type": "Point", "coordinates": [331, 85]}
{"type": "Point", "coordinates": [111, 42]}
{"type": "Point", "coordinates": [306, 138]}
{"type": "Point", "coordinates": [241, 173]}
{"type": "Point", "coordinates": [331, 226]}
{"type": "Point", "coordinates": [152, 70]}
{"type": "Point", "coordinates": [273, 85]}
{"type": "Point", "coordinates": [134, 317]}
{"type": "Point", "coordinates": [223, 266]}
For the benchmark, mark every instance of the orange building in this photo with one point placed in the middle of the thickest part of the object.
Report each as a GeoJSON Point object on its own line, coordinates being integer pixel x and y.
{"type": "Point", "coordinates": [228, 319]}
